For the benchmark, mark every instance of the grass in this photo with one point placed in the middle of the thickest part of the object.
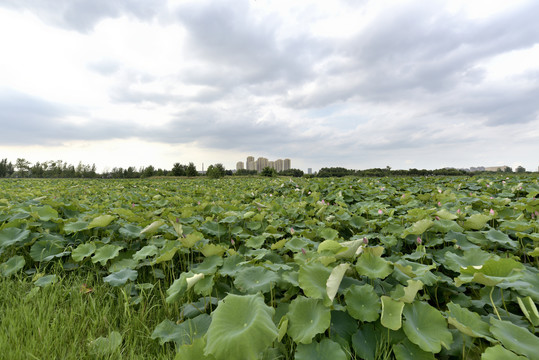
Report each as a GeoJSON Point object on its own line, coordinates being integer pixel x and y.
{"type": "Point", "coordinates": [61, 320]}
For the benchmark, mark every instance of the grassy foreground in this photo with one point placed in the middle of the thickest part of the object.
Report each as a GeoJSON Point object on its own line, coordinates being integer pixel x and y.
{"type": "Point", "coordinates": [63, 321]}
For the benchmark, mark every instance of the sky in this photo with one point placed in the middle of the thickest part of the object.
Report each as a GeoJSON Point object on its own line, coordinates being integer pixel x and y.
{"type": "Point", "coordinates": [352, 83]}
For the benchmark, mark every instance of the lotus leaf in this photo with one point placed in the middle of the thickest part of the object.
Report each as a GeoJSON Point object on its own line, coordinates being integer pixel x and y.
{"type": "Point", "coordinates": [364, 342]}
{"type": "Point", "coordinates": [214, 229]}
{"type": "Point", "coordinates": [515, 338]}
{"type": "Point", "coordinates": [46, 250]}
{"type": "Point", "coordinates": [209, 265]}
{"type": "Point", "coordinates": [313, 278]}
{"type": "Point", "coordinates": [426, 327]}
{"type": "Point", "coordinates": [101, 221]}
{"type": "Point", "coordinates": [10, 236]}
{"type": "Point", "coordinates": [499, 237]}
{"type": "Point", "coordinates": [362, 303]}
{"type": "Point", "coordinates": [105, 253]}
{"type": "Point", "coordinates": [120, 278]}
{"type": "Point", "coordinates": [418, 228]}
{"type": "Point", "coordinates": [75, 227]}
{"type": "Point", "coordinates": [146, 251]}
{"type": "Point", "coordinates": [323, 350]}
{"type": "Point", "coordinates": [194, 351]}
{"type": "Point", "coordinates": [476, 222]}
{"type": "Point", "coordinates": [472, 257]}
{"type": "Point", "coordinates": [493, 272]}
{"type": "Point", "coordinates": [241, 328]}
{"type": "Point", "coordinates": [153, 227]}
{"type": "Point", "coordinates": [14, 264]}
{"type": "Point", "coordinates": [391, 313]}
{"type": "Point", "coordinates": [498, 352]}
{"type": "Point", "coordinates": [183, 333]}
{"type": "Point", "coordinates": [529, 310]}
{"type": "Point", "coordinates": [46, 280]}
{"type": "Point", "coordinates": [82, 251]}
{"type": "Point", "coordinates": [373, 266]}
{"type": "Point", "coordinates": [212, 250]}
{"type": "Point", "coordinates": [467, 322]}
{"type": "Point", "coordinates": [307, 317]}
{"type": "Point", "coordinates": [406, 350]}
{"type": "Point", "coordinates": [130, 231]}
{"type": "Point", "coordinates": [254, 279]}
{"type": "Point", "coordinates": [103, 346]}
{"type": "Point", "coordinates": [45, 213]}
{"type": "Point", "coordinates": [334, 280]}
{"type": "Point", "coordinates": [328, 233]}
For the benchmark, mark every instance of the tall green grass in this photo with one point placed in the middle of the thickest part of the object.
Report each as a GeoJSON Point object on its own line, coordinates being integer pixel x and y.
{"type": "Point", "coordinates": [61, 320]}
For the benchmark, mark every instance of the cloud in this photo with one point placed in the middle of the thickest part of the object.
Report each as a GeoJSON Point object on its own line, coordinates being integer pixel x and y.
{"type": "Point", "coordinates": [83, 15]}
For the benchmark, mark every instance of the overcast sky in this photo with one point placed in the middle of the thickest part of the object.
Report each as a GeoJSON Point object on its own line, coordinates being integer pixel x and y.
{"type": "Point", "coordinates": [359, 84]}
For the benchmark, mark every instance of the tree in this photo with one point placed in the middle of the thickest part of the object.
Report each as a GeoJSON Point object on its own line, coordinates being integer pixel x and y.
{"type": "Point", "coordinates": [191, 170]}
{"type": "Point", "coordinates": [292, 172]}
{"type": "Point", "coordinates": [216, 171]}
{"type": "Point", "coordinates": [269, 172]}
{"type": "Point", "coordinates": [23, 166]}
{"type": "Point", "coordinates": [179, 169]}
{"type": "Point", "coordinates": [508, 169]}
{"type": "Point", "coordinates": [149, 171]}
{"type": "Point", "coordinates": [521, 169]}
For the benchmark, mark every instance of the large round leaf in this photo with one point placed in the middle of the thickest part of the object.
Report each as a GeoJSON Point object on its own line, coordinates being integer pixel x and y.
{"type": "Point", "coordinates": [254, 279]}
{"type": "Point", "coordinates": [408, 351]}
{"type": "Point", "coordinates": [82, 251]}
{"type": "Point", "coordinates": [515, 338]}
{"type": "Point", "coordinates": [105, 253]}
{"type": "Point", "coordinates": [362, 303]}
{"type": "Point", "coordinates": [46, 250]}
{"type": "Point", "coordinates": [101, 221]}
{"type": "Point", "coordinates": [476, 222]}
{"type": "Point", "coordinates": [467, 322]}
{"type": "Point", "coordinates": [307, 317]}
{"type": "Point", "coordinates": [183, 333]}
{"type": "Point", "coordinates": [241, 328]}
{"type": "Point", "coordinates": [13, 265]}
{"type": "Point", "coordinates": [498, 352]}
{"type": "Point", "coordinates": [373, 266]}
{"type": "Point", "coordinates": [121, 277]}
{"type": "Point", "coordinates": [492, 272]}
{"type": "Point", "coordinates": [12, 236]}
{"type": "Point", "coordinates": [313, 279]}
{"type": "Point", "coordinates": [425, 326]}
{"type": "Point", "coordinates": [391, 313]}
{"type": "Point", "coordinates": [323, 350]}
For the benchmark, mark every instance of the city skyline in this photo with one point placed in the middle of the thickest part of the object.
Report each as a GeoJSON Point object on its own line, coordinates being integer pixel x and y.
{"type": "Point", "coordinates": [259, 164]}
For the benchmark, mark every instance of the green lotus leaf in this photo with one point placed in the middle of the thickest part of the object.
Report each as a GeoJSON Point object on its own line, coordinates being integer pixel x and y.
{"type": "Point", "coordinates": [331, 246]}
{"type": "Point", "coordinates": [406, 350]}
{"type": "Point", "coordinates": [467, 322]}
{"type": "Point", "coordinates": [373, 266]}
{"type": "Point", "coordinates": [105, 253]}
{"type": "Point", "coordinates": [103, 346]}
{"type": "Point", "coordinates": [130, 231]}
{"type": "Point", "coordinates": [241, 328]}
{"type": "Point", "coordinates": [255, 242]}
{"type": "Point", "coordinates": [178, 287]}
{"type": "Point", "coordinates": [472, 257]}
{"type": "Point", "coordinates": [153, 227]}
{"type": "Point", "coordinates": [212, 250]}
{"type": "Point", "coordinates": [445, 226]}
{"type": "Point", "coordinates": [350, 249]}
{"type": "Point", "coordinates": [14, 264]}
{"type": "Point", "coordinates": [515, 226]}
{"type": "Point", "coordinates": [407, 294]}
{"type": "Point", "coordinates": [529, 310]}
{"type": "Point", "coordinates": [526, 285]}
{"type": "Point", "coordinates": [446, 215]}
{"type": "Point", "coordinates": [204, 285]}
{"type": "Point", "coordinates": [167, 253]}
{"type": "Point", "coordinates": [120, 264]}
{"type": "Point", "coordinates": [364, 342]}
{"type": "Point", "coordinates": [214, 229]}
{"type": "Point", "coordinates": [126, 214]}
{"type": "Point", "coordinates": [254, 279]}
{"type": "Point", "coordinates": [296, 244]}
{"type": "Point", "coordinates": [515, 338]}
{"type": "Point", "coordinates": [101, 221]}
{"type": "Point", "coordinates": [46, 280]}
{"type": "Point", "coordinates": [75, 227]}
{"type": "Point", "coordinates": [45, 213]}
{"type": "Point", "coordinates": [328, 233]}
{"type": "Point", "coordinates": [183, 333]}
{"type": "Point", "coordinates": [121, 277]}
{"type": "Point", "coordinates": [146, 251]}
{"type": "Point", "coordinates": [194, 351]}
{"type": "Point", "coordinates": [306, 318]}
{"type": "Point", "coordinates": [492, 272]}
{"type": "Point", "coordinates": [283, 327]}
{"type": "Point", "coordinates": [426, 327]}
{"type": "Point", "coordinates": [231, 265]}
{"type": "Point", "coordinates": [82, 251]}
{"type": "Point", "coordinates": [10, 236]}
{"type": "Point", "coordinates": [209, 265]}
{"type": "Point", "coordinates": [499, 237]}
{"type": "Point", "coordinates": [323, 350]}
{"type": "Point", "coordinates": [312, 280]}
{"type": "Point", "coordinates": [391, 313]}
{"type": "Point", "coordinates": [498, 352]}
{"type": "Point", "coordinates": [534, 252]}
{"type": "Point", "coordinates": [362, 303]}
{"type": "Point", "coordinates": [191, 239]}
{"type": "Point", "coordinates": [334, 280]}
{"type": "Point", "coordinates": [46, 250]}
{"type": "Point", "coordinates": [342, 325]}
{"type": "Point", "coordinates": [418, 228]}
{"type": "Point", "coordinates": [476, 222]}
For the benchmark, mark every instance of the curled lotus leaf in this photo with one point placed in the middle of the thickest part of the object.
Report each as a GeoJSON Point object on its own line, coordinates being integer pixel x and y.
{"type": "Point", "coordinates": [241, 328]}
{"type": "Point", "coordinates": [14, 264]}
{"type": "Point", "coordinates": [391, 313]}
{"type": "Point", "coordinates": [498, 352]}
{"type": "Point", "coordinates": [313, 278]}
{"type": "Point", "coordinates": [101, 221]}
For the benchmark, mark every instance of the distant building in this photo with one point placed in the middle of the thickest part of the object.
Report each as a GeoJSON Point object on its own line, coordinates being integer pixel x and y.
{"type": "Point", "coordinates": [310, 171]}
{"type": "Point", "coordinates": [497, 168]}
{"type": "Point", "coordinates": [239, 165]}
{"type": "Point", "coordinates": [279, 165]}
{"type": "Point", "coordinates": [287, 164]}
{"type": "Point", "coordinates": [261, 163]}
{"type": "Point", "coordinates": [250, 164]}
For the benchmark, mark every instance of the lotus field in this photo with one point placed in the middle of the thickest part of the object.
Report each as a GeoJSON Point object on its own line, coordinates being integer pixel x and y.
{"type": "Point", "coordinates": [280, 268]}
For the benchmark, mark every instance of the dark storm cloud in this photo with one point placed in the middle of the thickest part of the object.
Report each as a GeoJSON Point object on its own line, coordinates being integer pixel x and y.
{"type": "Point", "coordinates": [83, 15]}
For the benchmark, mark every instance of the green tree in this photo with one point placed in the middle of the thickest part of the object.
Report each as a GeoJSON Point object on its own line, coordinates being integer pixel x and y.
{"type": "Point", "coordinates": [269, 172]}
{"type": "Point", "coordinates": [216, 171]}
{"type": "Point", "coordinates": [521, 169]}
{"type": "Point", "coordinates": [191, 170]}
{"type": "Point", "coordinates": [23, 167]}
{"type": "Point", "coordinates": [179, 169]}
{"type": "Point", "coordinates": [148, 171]}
